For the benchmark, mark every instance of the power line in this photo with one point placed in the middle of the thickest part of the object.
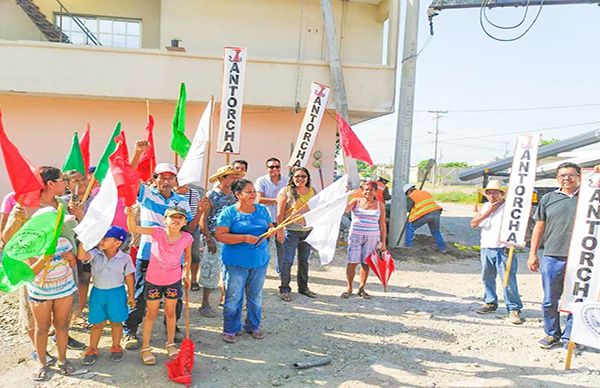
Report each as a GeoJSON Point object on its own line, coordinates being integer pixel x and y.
{"type": "Point", "coordinates": [517, 109]}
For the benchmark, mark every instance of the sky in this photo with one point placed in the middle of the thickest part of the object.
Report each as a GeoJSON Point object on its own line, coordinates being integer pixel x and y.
{"type": "Point", "coordinates": [464, 72]}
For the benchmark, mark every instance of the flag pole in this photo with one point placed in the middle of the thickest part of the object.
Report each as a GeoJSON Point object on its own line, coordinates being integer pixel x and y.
{"type": "Point", "coordinates": [511, 251]}
{"type": "Point", "coordinates": [570, 349]}
{"type": "Point", "coordinates": [147, 108]}
{"type": "Point", "coordinates": [209, 137]}
{"type": "Point", "coordinates": [88, 189]}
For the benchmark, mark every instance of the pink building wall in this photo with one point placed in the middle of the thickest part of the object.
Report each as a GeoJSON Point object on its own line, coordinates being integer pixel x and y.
{"type": "Point", "coordinates": [42, 127]}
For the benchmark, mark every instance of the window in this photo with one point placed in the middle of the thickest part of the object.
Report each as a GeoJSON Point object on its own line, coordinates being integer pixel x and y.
{"type": "Point", "coordinates": [112, 32]}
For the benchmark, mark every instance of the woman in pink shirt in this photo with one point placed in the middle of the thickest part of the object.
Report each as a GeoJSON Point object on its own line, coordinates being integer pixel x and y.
{"type": "Point", "coordinates": [163, 277]}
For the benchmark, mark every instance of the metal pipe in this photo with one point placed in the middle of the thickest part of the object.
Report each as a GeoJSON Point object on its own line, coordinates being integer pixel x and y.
{"type": "Point", "coordinates": [571, 143]}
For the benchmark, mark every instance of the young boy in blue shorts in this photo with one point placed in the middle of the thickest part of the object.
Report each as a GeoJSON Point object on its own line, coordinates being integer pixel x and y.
{"type": "Point", "coordinates": [111, 269]}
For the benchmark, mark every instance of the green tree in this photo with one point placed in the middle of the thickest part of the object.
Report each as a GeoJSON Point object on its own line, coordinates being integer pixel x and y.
{"type": "Point", "coordinates": [455, 164]}
{"type": "Point", "coordinates": [549, 141]}
{"type": "Point", "coordinates": [364, 169]}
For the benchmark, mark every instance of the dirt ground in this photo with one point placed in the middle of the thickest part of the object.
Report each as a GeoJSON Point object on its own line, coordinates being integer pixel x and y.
{"type": "Point", "coordinates": [422, 333]}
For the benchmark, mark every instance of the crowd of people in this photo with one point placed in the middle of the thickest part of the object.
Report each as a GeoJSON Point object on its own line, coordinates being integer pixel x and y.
{"type": "Point", "coordinates": [214, 240]}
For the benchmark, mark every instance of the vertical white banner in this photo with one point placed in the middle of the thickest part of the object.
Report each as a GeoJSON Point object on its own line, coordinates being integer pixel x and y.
{"type": "Point", "coordinates": [582, 275]}
{"type": "Point", "coordinates": [586, 324]}
{"type": "Point", "coordinates": [520, 191]}
{"type": "Point", "coordinates": [234, 70]}
{"type": "Point", "coordinates": [317, 103]}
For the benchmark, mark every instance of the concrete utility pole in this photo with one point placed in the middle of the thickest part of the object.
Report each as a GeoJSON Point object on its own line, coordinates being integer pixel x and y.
{"type": "Point", "coordinates": [337, 78]}
{"type": "Point", "coordinates": [404, 122]}
{"type": "Point", "coordinates": [438, 115]}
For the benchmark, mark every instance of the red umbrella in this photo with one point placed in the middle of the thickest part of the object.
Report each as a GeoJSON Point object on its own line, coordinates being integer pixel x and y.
{"type": "Point", "coordinates": [382, 263]}
{"type": "Point", "coordinates": [180, 368]}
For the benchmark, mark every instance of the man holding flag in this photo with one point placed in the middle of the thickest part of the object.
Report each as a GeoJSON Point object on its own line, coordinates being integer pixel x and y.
{"type": "Point", "coordinates": [554, 225]}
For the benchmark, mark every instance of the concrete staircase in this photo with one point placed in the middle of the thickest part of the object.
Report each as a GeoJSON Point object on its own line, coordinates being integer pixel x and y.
{"type": "Point", "coordinates": [50, 31]}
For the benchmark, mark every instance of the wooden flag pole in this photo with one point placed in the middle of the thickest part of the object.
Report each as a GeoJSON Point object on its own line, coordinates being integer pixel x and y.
{"type": "Point", "coordinates": [88, 189]}
{"type": "Point", "coordinates": [227, 159]}
{"type": "Point", "coordinates": [570, 349]}
{"type": "Point", "coordinates": [147, 109]}
{"type": "Point", "coordinates": [209, 137]}
{"type": "Point", "coordinates": [511, 251]}
{"type": "Point", "coordinates": [48, 258]}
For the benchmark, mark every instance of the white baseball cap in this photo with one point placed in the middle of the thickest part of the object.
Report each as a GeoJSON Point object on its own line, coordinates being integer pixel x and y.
{"type": "Point", "coordinates": [165, 167]}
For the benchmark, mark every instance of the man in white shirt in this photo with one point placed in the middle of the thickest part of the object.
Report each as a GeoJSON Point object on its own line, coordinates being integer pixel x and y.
{"type": "Point", "coordinates": [494, 255]}
{"type": "Point", "coordinates": [267, 188]}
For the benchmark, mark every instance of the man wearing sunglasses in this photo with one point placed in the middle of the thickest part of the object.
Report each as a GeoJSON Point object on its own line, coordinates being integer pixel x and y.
{"type": "Point", "coordinates": [267, 188]}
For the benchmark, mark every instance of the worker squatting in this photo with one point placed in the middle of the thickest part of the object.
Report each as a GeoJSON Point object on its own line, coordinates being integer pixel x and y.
{"type": "Point", "coordinates": [515, 224]}
{"type": "Point", "coordinates": [308, 132]}
{"type": "Point", "coordinates": [589, 243]}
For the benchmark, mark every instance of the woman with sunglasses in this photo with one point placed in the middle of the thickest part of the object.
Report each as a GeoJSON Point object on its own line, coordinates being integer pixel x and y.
{"type": "Point", "coordinates": [290, 202]}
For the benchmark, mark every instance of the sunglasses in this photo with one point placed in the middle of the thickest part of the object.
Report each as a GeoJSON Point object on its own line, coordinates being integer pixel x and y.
{"type": "Point", "coordinates": [273, 167]}
{"type": "Point", "coordinates": [300, 176]}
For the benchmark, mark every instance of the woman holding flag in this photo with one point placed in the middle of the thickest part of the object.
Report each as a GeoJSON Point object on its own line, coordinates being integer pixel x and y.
{"type": "Point", "coordinates": [291, 201]}
{"type": "Point", "coordinates": [246, 259]}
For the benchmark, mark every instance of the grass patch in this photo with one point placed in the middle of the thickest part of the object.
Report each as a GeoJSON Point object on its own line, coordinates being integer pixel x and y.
{"type": "Point", "coordinates": [455, 197]}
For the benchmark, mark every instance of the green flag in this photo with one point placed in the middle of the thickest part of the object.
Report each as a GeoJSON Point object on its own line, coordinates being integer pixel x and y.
{"type": "Point", "coordinates": [179, 143]}
{"type": "Point", "coordinates": [74, 160]}
{"type": "Point", "coordinates": [102, 166]}
{"type": "Point", "coordinates": [38, 236]}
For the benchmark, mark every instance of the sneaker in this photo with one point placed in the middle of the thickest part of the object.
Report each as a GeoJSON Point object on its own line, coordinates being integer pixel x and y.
{"type": "Point", "coordinates": [488, 308]}
{"type": "Point", "coordinates": [178, 335]}
{"type": "Point", "coordinates": [116, 353]}
{"type": "Point", "coordinates": [208, 312]}
{"type": "Point", "coordinates": [514, 317]}
{"type": "Point", "coordinates": [73, 344]}
{"type": "Point", "coordinates": [549, 342]}
{"type": "Point", "coordinates": [90, 356]}
{"type": "Point", "coordinates": [132, 342]}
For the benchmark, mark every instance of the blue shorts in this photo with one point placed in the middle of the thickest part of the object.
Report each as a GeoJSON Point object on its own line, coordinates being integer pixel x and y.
{"type": "Point", "coordinates": [110, 304]}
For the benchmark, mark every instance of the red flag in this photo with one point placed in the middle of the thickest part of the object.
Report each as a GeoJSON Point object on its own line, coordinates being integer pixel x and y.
{"type": "Point", "coordinates": [125, 177]}
{"type": "Point", "coordinates": [350, 143]}
{"type": "Point", "coordinates": [147, 161]}
{"type": "Point", "coordinates": [24, 178]}
{"type": "Point", "coordinates": [84, 145]}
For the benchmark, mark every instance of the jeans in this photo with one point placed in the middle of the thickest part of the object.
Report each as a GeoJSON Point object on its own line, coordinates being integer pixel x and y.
{"type": "Point", "coordinates": [493, 263]}
{"type": "Point", "coordinates": [433, 221]}
{"type": "Point", "coordinates": [553, 276]}
{"type": "Point", "coordinates": [242, 281]}
{"type": "Point", "coordinates": [294, 240]}
{"type": "Point", "coordinates": [136, 315]}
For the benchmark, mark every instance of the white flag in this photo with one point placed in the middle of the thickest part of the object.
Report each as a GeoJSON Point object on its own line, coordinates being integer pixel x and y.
{"type": "Point", "coordinates": [100, 214]}
{"type": "Point", "coordinates": [327, 209]}
{"type": "Point", "coordinates": [191, 169]}
{"type": "Point", "coordinates": [586, 324]}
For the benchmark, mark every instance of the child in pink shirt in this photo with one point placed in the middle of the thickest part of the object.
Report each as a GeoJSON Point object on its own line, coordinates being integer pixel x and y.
{"type": "Point", "coordinates": [163, 277]}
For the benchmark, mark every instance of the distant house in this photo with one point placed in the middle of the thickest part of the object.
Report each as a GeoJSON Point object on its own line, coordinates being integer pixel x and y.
{"type": "Point", "coordinates": [65, 64]}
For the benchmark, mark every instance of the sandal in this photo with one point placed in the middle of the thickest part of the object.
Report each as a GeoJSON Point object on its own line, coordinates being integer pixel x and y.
{"type": "Point", "coordinates": [230, 339]}
{"type": "Point", "coordinates": [363, 293]}
{"type": "Point", "coordinates": [66, 368]}
{"type": "Point", "coordinates": [147, 357]}
{"type": "Point", "coordinates": [346, 294]}
{"type": "Point", "coordinates": [172, 350]}
{"type": "Point", "coordinates": [195, 286]}
{"type": "Point", "coordinates": [308, 293]}
{"type": "Point", "coordinates": [286, 297]}
{"type": "Point", "coordinates": [40, 374]}
{"type": "Point", "coordinates": [258, 334]}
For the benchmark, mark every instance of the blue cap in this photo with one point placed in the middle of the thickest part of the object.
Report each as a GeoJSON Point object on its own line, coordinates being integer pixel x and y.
{"type": "Point", "coordinates": [116, 233]}
{"type": "Point", "coordinates": [91, 169]}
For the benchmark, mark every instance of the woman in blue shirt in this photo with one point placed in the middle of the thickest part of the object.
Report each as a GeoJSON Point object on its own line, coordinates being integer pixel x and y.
{"type": "Point", "coordinates": [238, 228]}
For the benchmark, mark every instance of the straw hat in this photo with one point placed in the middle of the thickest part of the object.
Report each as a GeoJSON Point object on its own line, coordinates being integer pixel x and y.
{"type": "Point", "coordinates": [384, 175]}
{"type": "Point", "coordinates": [223, 171]}
{"type": "Point", "coordinates": [493, 184]}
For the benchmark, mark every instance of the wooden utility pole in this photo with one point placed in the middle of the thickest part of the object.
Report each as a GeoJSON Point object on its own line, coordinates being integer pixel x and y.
{"type": "Point", "coordinates": [404, 122]}
{"type": "Point", "coordinates": [337, 78]}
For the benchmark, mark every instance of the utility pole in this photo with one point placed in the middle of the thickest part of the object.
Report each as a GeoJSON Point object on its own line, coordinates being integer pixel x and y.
{"type": "Point", "coordinates": [404, 122]}
{"type": "Point", "coordinates": [438, 115]}
{"type": "Point", "coordinates": [337, 78]}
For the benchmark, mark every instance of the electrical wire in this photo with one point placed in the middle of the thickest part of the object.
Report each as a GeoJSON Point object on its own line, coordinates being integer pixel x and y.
{"type": "Point", "coordinates": [515, 109]}
{"type": "Point", "coordinates": [506, 27]}
{"type": "Point", "coordinates": [481, 18]}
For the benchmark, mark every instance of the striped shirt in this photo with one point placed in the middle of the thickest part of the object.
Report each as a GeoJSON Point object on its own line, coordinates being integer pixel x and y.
{"type": "Point", "coordinates": [152, 213]}
{"type": "Point", "coordinates": [365, 222]}
{"type": "Point", "coordinates": [59, 279]}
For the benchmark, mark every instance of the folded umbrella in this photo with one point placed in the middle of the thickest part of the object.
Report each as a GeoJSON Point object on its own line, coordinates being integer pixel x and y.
{"type": "Point", "coordinates": [382, 264]}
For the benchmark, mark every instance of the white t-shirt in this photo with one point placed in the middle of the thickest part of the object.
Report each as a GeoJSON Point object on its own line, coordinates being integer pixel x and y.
{"type": "Point", "coordinates": [490, 227]}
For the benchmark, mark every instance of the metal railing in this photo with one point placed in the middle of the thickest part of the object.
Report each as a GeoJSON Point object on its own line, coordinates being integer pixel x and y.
{"type": "Point", "coordinates": [89, 34]}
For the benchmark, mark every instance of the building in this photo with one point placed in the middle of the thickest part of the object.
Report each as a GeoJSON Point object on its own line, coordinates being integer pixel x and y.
{"type": "Point", "coordinates": [56, 75]}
